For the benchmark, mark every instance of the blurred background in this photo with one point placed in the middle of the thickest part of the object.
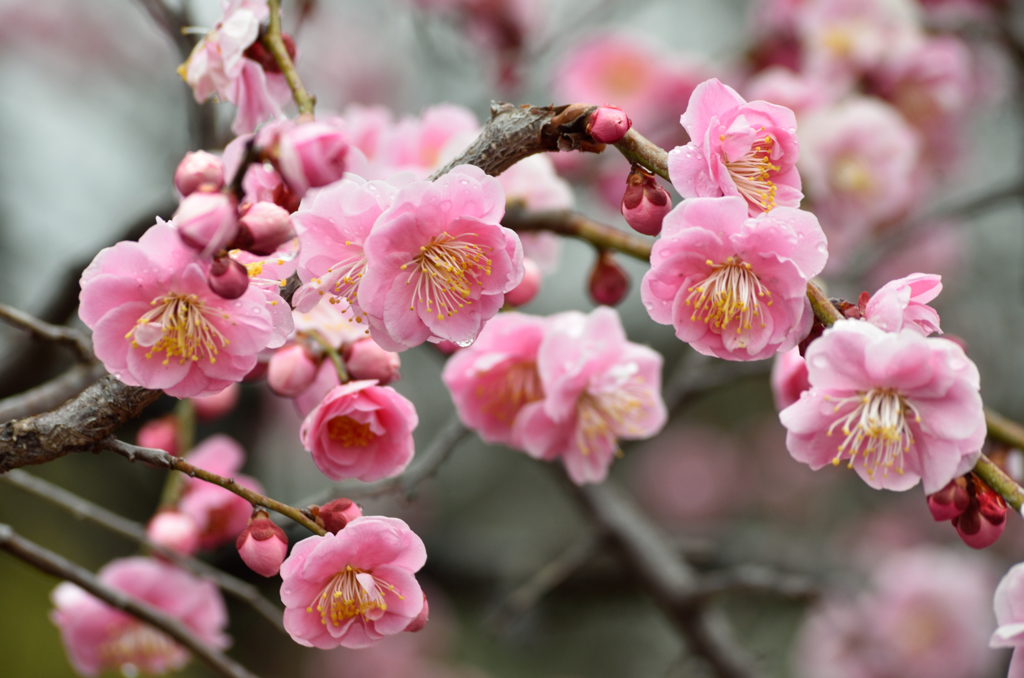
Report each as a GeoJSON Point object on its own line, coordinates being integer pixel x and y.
{"type": "Point", "coordinates": [94, 119]}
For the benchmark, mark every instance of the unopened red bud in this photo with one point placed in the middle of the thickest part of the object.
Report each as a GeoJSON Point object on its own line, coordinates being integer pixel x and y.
{"type": "Point", "coordinates": [311, 155]}
{"type": "Point", "coordinates": [608, 124]}
{"type": "Point", "coordinates": [261, 55]}
{"type": "Point", "coordinates": [207, 221]}
{"type": "Point", "coordinates": [199, 171]}
{"type": "Point", "coordinates": [985, 518]}
{"type": "Point", "coordinates": [159, 434]}
{"type": "Point", "coordinates": [366, 360]}
{"type": "Point", "coordinates": [420, 621]}
{"type": "Point", "coordinates": [263, 228]}
{"type": "Point", "coordinates": [174, 530]}
{"type": "Point", "coordinates": [950, 501]}
{"type": "Point", "coordinates": [212, 407]}
{"type": "Point", "coordinates": [228, 278]}
{"type": "Point", "coordinates": [262, 545]}
{"type": "Point", "coordinates": [645, 203]}
{"type": "Point", "coordinates": [291, 370]}
{"type": "Point", "coordinates": [335, 515]}
{"type": "Point", "coordinates": [609, 283]}
{"type": "Point", "coordinates": [525, 291]}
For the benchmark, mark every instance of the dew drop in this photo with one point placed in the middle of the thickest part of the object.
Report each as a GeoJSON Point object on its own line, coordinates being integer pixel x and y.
{"type": "Point", "coordinates": [464, 344]}
{"type": "Point", "coordinates": [819, 361]}
{"type": "Point", "coordinates": [822, 247]}
{"type": "Point", "coordinates": [238, 304]}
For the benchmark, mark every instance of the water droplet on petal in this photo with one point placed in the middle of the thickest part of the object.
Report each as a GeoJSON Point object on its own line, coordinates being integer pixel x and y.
{"type": "Point", "coordinates": [822, 247]}
{"type": "Point", "coordinates": [819, 361]}
{"type": "Point", "coordinates": [464, 344]}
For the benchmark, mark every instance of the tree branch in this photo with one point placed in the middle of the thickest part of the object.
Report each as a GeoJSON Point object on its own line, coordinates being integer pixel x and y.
{"type": "Point", "coordinates": [51, 563]}
{"type": "Point", "coordinates": [50, 394]}
{"type": "Point", "coordinates": [82, 509]}
{"type": "Point", "coordinates": [272, 41]}
{"type": "Point", "coordinates": [756, 579]}
{"type": "Point", "coordinates": [637, 148]}
{"type": "Point", "coordinates": [71, 338]}
{"type": "Point", "coordinates": [162, 459]}
{"type": "Point", "coordinates": [575, 225]}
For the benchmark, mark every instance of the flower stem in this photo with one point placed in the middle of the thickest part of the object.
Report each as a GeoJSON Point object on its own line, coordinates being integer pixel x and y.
{"type": "Point", "coordinates": [272, 41]}
{"type": "Point", "coordinates": [637, 148]}
{"type": "Point", "coordinates": [822, 307]}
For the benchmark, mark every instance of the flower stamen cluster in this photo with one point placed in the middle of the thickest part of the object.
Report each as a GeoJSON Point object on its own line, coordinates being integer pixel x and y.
{"type": "Point", "coordinates": [447, 267]}
{"type": "Point", "coordinates": [732, 291]}
{"type": "Point", "coordinates": [184, 331]}
{"type": "Point", "coordinates": [352, 593]}
{"type": "Point", "coordinates": [752, 173]}
{"type": "Point", "coordinates": [877, 428]}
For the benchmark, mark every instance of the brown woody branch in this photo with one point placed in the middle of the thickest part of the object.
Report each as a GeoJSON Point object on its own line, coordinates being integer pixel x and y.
{"type": "Point", "coordinates": [51, 563]}
{"type": "Point", "coordinates": [50, 394]}
{"type": "Point", "coordinates": [575, 225]}
{"type": "Point", "coordinates": [73, 339]}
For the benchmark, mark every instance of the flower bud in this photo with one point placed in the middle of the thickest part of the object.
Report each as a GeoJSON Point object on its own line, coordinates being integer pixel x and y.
{"type": "Point", "coordinates": [228, 278]}
{"type": "Point", "coordinates": [311, 155]}
{"type": "Point", "coordinates": [980, 525]}
{"type": "Point", "coordinates": [291, 370]}
{"type": "Point", "coordinates": [261, 55]}
{"type": "Point", "coordinates": [336, 514]}
{"type": "Point", "coordinates": [159, 434]}
{"type": "Point", "coordinates": [950, 501]}
{"type": "Point", "coordinates": [645, 203]}
{"type": "Point", "coordinates": [174, 530]}
{"type": "Point", "coordinates": [608, 124]}
{"type": "Point", "coordinates": [212, 407]}
{"type": "Point", "coordinates": [207, 221]}
{"type": "Point", "coordinates": [525, 291]}
{"type": "Point", "coordinates": [366, 360]}
{"type": "Point", "coordinates": [263, 228]}
{"type": "Point", "coordinates": [420, 621]}
{"type": "Point", "coordinates": [199, 171]}
{"type": "Point", "coordinates": [262, 545]}
{"type": "Point", "coordinates": [609, 283]}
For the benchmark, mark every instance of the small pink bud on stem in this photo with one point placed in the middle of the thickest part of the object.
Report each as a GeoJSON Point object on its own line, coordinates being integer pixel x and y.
{"type": "Point", "coordinates": [228, 278]}
{"type": "Point", "coordinates": [291, 370]}
{"type": "Point", "coordinates": [608, 124]}
{"type": "Point", "coordinates": [262, 545]}
{"type": "Point", "coordinates": [609, 283]}
{"type": "Point", "coordinates": [311, 155]}
{"type": "Point", "coordinates": [645, 203]}
{"type": "Point", "coordinates": [263, 228]}
{"type": "Point", "coordinates": [366, 360]}
{"type": "Point", "coordinates": [174, 530]}
{"type": "Point", "coordinates": [525, 292]}
{"type": "Point", "coordinates": [199, 171]}
{"type": "Point", "coordinates": [207, 221]}
{"type": "Point", "coordinates": [335, 515]}
{"type": "Point", "coordinates": [976, 511]}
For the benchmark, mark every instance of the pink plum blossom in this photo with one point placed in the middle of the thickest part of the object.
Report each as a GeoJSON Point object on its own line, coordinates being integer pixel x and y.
{"type": "Point", "coordinates": [99, 637]}
{"type": "Point", "coordinates": [1009, 607]}
{"type": "Point", "coordinates": [737, 149]}
{"type": "Point", "coordinates": [333, 227]}
{"type": "Point", "coordinates": [355, 587]}
{"type": "Point", "coordinates": [262, 545]}
{"type": "Point", "coordinates": [425, 143]}
{"type": "Point", "coordinates": [904, 303]}
{"type": "Point", "coordinates": [439, 262]}
{"type": "Point", "coordinates": [900, 407]}
{"type": "Point", "coordinates": [219, 514]}
{"type": "Point", "coordinates": [360, 430]}
{"type": "Point", "coordinates": [599, 387]}
{"type": "Point", "coordinates": [157, 324]}
{"type": "Point", "coordinates": [219, 65]}
{"type": "Point", "coordinates": [492, 380]}
{"type": "Point", "coordinates": [789, 378]}
{"type": "Point", "coordinates": [859, 161]}
{"type": "Point", "coordinates": [734, 286]}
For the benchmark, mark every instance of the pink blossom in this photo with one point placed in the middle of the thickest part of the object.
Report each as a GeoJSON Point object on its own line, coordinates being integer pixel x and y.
{"type": "Point", "coordinates": [157, 324]}
{"type": "Point", "coordinates": [360, 430]}
{"type": "Point", "coordinates": [355, 587]}
{"type": "Point", "coordinates": [335, 323]}
{"type": "Point", "coordinates": [599, 387]}
{"type": "Point", "coordinates": [491, 380]}
{"type": "Point", "coordinates": [174, 530]}
{"type": "Point", "coordinates": [859, 162]}
{"type": "Point", "coordinates": [207, 221]}
{"type": "Point", "coordinates": [311, 155]}
{"type": "Point", "coordinates": [439, 262]}
{"type": "Point", "coordinates": [737, 148]}
{"type": "Point", "coordinates": [527, 290]}
{"type": "Point", "coordinates": [733, 286]}
{"type": "Point", "coordinates": [900, 403]}
{"type": "Point", "coordinates": [333, 227]}
{"type": "Point", "coordinates": [926, 616]}
{"type": "Point", "coordinates": [199, 171]}
{"type": "Point", "coordinates": [789, 378]}
{"type": "Point", "coordinates": [423, 144]}
{"type": "Point", "coordinates": [219, 513]}
{"type": "Point", "coordinates": [904, 303]}
{"type": "Point", "coordinates": [262, 545]}
{"type": "Point", "coordinates": [218, 64]}
{"type": "Point", "coordinates": [364, 359]}
{"type": "Point", "coordinates": [213, 407]}
{"type": "Point", "coordinates": [99, 637]}
{"type": "Point", "coordinates": [291, 370]}
{"type": "Point", "coordinates": [266, 274]}
{"type": "Point", "coordinates": [1009, 607]}
{"type": "Point", "coordinates": [799, 92]}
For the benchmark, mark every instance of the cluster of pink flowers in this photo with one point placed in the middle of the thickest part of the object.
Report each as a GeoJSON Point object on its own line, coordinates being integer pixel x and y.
{"type": "Point", "coordinates": [566, 387]}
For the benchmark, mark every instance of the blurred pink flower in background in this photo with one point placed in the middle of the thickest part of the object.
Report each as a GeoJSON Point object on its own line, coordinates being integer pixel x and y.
{"type": "Point", "coordinates": [789, 378]}
{"type": "Point", "coordinates": [900, 407]}
{"type": "Point", "coordinates": [157, 324]}
{"type": "Point", "coordinates": [1009, 607]}
{"type": "Point", "coordinates": [353, 588]}
{"type": "Point", "coordinates": [737, 149]}
{"type": "Point", "coordinates": [733, 286]}
{"type": "Point", "coordinates": [99, 637]}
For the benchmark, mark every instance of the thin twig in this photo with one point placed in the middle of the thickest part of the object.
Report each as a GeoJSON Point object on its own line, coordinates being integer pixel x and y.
{"type": "Point", "coordinates": [272, 41]}
{"type": "Point", "coordinates": [50, 394]}
{"type": "Point", "coordinates": [72, 338]}
{"type": "Point", "coordinates": [83, 509]}
{"type": "Point", "coordinates": [575, 225]}
{"type": "Point", "coordinates": [169, 461]}
{"type": "Point", "coordinates": [51, 563]}
{"type": "Point", "coordinates": [637, 148]}
{"type": "Point", "coordinates": [756, 579]}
